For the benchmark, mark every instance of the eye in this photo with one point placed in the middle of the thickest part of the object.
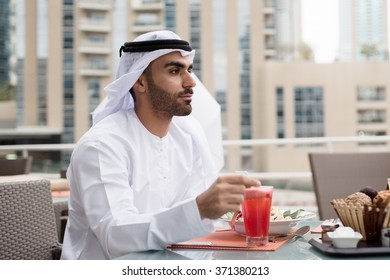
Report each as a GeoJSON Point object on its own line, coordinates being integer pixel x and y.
{"type": "Point", "coordinates": [174, 71]}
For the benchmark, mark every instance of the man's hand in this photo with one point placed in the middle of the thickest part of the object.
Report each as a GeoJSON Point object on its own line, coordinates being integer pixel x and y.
{"type": "Point", "coordinates": [225, 194]}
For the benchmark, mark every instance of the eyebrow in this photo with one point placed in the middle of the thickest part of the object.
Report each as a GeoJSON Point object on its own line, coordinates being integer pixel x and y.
{"type": "Point", "coordinates": [177, 64]}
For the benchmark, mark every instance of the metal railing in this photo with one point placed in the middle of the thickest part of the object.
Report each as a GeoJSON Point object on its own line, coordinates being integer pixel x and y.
{"type": "Point", "coordinates": [26, 148]}
{"type": "Point", "coordinates": [329, 142]}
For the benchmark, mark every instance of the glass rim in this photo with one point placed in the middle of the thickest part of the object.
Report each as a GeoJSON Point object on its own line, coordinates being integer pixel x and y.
{"type": "Point", "coordinates": [261, 187]}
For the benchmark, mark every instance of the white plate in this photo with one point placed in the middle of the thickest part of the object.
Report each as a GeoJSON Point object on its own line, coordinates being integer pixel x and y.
{"type": "Point", "coordinates": [275, 227]}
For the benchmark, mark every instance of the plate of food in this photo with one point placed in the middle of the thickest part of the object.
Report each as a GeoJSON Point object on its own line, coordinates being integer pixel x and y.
{"type": "Point", "coordinates": [281, 221]}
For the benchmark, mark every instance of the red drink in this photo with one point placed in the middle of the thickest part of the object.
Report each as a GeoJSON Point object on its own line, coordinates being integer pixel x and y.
{"type": "Point", "coordinates": [257, 211]}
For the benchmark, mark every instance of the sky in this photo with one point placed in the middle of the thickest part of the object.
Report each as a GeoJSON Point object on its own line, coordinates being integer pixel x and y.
{"type": "Point", "coordinates": [320, 22]}
{"type": "Point", "coordinates": [320, 28]}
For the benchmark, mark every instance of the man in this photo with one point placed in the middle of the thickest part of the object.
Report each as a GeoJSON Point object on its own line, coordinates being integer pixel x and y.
{"type": "Point", "coordinates": [143, 176]}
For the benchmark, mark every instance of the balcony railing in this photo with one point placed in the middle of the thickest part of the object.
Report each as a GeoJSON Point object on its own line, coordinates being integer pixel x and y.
{"type": "Point", "coordinates": [98, 25]}
{"type": "Point", "coordinates": [102, 5]}
{"type": "Point", "coordinates": [328, 143]}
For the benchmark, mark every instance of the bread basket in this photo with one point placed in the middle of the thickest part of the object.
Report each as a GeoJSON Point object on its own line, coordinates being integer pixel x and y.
{"type": "Point", "coordinates": [368, 220]}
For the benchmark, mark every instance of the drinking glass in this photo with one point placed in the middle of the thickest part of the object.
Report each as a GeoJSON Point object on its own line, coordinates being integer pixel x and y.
{"type": "Point", "coordinates": [256, 211]}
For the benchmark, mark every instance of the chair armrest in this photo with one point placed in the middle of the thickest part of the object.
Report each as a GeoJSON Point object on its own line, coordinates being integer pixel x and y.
{"type": "Point", "coordinates": [56, 251]}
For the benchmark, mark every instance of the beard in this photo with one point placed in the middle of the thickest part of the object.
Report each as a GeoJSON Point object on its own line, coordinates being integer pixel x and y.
{"type": "Point", "coordinates": [166, 103]}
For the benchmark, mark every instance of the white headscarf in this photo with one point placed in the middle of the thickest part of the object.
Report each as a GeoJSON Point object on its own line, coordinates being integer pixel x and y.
{"type": "Point", "coordinates": [205, 109]}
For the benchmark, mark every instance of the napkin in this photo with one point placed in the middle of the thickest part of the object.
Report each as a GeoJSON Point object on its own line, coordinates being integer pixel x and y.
{"type": "Point", "coordinates": [318, 229]}
{"type": "Point", "coordinates": [229, 238]}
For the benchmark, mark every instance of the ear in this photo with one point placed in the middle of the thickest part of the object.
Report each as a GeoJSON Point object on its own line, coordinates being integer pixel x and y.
{"type": "Point", "coordinates": [139, 85]}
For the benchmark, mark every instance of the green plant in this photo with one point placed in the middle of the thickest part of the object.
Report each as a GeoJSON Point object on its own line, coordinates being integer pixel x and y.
{"type": "Point", "coordinates": [369, 50]}
{"type": "Point", "coordinates": [7, 92]}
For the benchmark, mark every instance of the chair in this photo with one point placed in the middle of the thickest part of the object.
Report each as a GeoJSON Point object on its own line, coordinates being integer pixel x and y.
{"type": "Point", "coordinates": [61, 215]}
{"type": "Point", "coordinates": [337, 175]}
{"type": "Point", "coordinates": [20, 165]}
{"type": "Point", "coordinates": [27, 222]}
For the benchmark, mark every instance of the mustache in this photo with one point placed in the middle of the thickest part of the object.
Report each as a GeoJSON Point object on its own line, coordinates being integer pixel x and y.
{"type": "Point", "coordinates": [186, 91]}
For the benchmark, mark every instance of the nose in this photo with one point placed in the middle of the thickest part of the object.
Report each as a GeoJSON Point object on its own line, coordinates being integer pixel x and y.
{"type": "Point", "coordinates": [189, 80]}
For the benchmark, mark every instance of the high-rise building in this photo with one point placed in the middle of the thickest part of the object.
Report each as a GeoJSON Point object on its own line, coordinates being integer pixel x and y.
{"type": "Point", "coordinates": [5, 48]}
{"type": "Point", "coordinates": [288, 30]}
{"type": "Point", "coordinates": [7, 64]}
{"type": "Point", "coordinates": [92, 53]}
{"type": "Point", "coordinates": [64, 62]}
{"type": "Point", "coordinates": [363, 30]}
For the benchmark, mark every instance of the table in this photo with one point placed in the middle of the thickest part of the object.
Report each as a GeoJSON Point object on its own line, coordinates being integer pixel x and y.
{"type": "Point", "coordinates": [300, 249]}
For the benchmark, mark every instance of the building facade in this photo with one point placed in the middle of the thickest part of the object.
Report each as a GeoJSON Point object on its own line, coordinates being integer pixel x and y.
{"type": "Point", "coordinates": [305, 99]}
{"type": "Point", "coordinates": [363, 30]}
{"type": "Point", "coordinates": [5, 12]}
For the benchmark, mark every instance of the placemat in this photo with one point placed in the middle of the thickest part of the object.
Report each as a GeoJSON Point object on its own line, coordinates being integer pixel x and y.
{"type": "Point", "coordinates": [229, 238]}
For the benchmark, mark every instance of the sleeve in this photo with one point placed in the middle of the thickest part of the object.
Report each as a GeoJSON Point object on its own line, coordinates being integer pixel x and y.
{"type": "Point", "coordinates": [107, 200]}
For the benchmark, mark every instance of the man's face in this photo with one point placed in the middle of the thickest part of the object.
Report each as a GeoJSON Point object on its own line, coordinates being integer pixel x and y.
{"type": "Point", "coordinates": [169, 85]}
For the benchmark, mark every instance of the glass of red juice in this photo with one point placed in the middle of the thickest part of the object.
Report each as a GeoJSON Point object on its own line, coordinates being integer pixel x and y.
{"type": "Point", "coordinates": [256, 210]}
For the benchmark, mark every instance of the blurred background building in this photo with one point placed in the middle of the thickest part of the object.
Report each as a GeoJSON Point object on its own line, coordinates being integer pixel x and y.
{"type": "Point", "coordinates": [250, 55]}
{"type": "Point", "coordinates": [363, 30]}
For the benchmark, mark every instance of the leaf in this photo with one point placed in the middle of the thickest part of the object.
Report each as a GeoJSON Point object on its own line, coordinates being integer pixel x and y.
{"type": "Point", "coordinates": [286, 213]}
{"type": "Point", "coordinates": [229, 215]}
{"type": "Point", "coordinates": [293, 215]}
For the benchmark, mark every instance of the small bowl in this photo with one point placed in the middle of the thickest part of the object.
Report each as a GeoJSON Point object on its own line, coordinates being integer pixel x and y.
{"type": "Point", "coordinates": [345, 242]}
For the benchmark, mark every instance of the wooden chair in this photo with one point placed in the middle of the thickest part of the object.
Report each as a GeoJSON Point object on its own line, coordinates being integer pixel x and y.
{"type": "Point", "coordinates": [28, 228]}
{"type": "Point", "coordinates": [337, 175]}
{"type": "Point", "coordinates": [20, 165]}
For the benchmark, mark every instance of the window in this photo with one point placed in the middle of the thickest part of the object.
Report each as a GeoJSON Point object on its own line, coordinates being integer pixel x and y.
{"type": "Point", "coordinates": [97, 62]}
{"type": "Point", "coordinates": [309, 114]}
{"type": "Point", "coordinates": [371, 116]}
{"type": "Point", "coordinates": [147, 19]}
{"type": "Point", "coordinates": [280, 112]}
{"type": "Point", "coordinates": [93, 88]}
{"type": "Point", "coordinates": [363, 133]}
{"type": "Point", "coordinates": [370, 93]}
{"type": "Point", "coordinates": [94, 94]}
{"type": "Point", "coordinates": [96, 38]}
{"type": "Point", "coordinates": [98, 16]}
